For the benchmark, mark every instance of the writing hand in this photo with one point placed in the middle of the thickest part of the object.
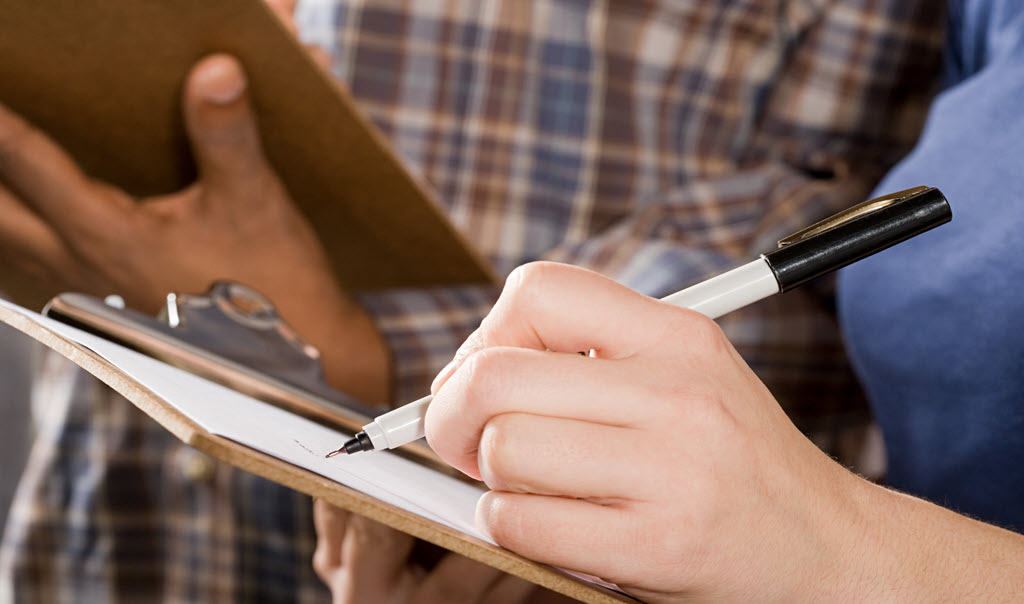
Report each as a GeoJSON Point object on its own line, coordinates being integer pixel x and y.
{"type": "Point", "coordinates": [659, 462]}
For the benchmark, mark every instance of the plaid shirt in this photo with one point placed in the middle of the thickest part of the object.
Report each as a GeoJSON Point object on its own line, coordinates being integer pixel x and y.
{"type": "Point", "coordinates": [655, 141]}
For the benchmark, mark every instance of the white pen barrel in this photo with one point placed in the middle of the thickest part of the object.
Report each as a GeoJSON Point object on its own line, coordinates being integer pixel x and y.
{"type": "Point", "coordinates": [729, 291]}
{"type": "Point", "coordinates": [398, 427]}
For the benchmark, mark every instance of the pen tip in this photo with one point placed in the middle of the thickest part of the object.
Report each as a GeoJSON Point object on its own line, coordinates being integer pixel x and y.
{"type": "Point", "coordinates": [361, 442]}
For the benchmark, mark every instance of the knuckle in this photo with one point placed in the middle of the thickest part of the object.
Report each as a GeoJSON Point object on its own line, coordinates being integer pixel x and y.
{"type": "Point", "coordinates": [502, 520]}
{"type": "Point", "coordinates": [707, 335]}
{"type": "Point", "coordinates": [321, 563]}
{"type": "Point", "coordinates": [483, 370]}
{"type": "Point", "coordinates": [696, 332]}
{"type": "Point", "coordinates": [675, 553]}
{"type": "Point", "coordinates": [673, 544]}
{"type": "Point", "coordinates": [691, 408]}
{"type": "Point", "coordinates": [458, 416]}
{"type": "Point", "coordinates": [527, 279]}
{"type": "Point", "coordinates": [498, 455]}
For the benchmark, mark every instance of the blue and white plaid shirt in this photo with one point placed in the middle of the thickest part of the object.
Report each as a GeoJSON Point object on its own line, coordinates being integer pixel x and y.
{"type": "Point", "coordinates": [655, 141]}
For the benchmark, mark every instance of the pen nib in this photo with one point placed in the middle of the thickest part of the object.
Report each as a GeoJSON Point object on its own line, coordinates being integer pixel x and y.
{"type": "Point", "coordinates": [361, 442]}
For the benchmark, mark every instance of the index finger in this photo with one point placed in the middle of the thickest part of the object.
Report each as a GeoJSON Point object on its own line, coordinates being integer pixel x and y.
{"type": "Point", "coordinates": [504, 380]}
{"type": "Point", "coordinates": [26, 234]}
{"type": "Point", "coordinates": [40, 171]}
{"type": "Point", "coordinates": [562, 308]}
{"type": "Point", "coordinates": [329, 523]}
{"type": "Point", "coordinates": [374, 555]}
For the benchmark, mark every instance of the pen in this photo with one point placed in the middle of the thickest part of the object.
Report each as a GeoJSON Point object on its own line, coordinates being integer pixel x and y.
{"type": "Point", "coordinates": [829, 245]}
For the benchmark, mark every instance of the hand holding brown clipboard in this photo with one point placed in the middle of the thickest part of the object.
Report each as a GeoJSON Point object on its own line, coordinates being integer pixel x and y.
{"type": "Point", "coordinates": [104, 79]}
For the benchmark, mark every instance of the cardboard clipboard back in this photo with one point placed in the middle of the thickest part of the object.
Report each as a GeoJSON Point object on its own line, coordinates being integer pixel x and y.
{"type": "Point", "coordinates": [303, 480]}
{"type": "Point", "coordinates": [104, 78]}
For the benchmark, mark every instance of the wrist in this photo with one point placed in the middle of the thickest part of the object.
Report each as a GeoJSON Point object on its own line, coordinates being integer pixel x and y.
{"type": "Point", "coordinates": [354, 356]}
{"type": "Point", "coordinates": [897, 552]}
{"type": "Point", "coordinates": [866, 557]}
{"type": "Point", "coordinates": [881, 545]}
{"type": "Point", "coordinates": [919, 551]}
{"type": "Point", "coordinates": [361, 365]}
{"type": "Point", "coordinates": [843, 538]}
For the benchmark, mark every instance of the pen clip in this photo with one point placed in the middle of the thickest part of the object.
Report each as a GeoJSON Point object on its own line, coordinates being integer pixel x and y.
{"type": "Point", "coordinates": [857, 211]}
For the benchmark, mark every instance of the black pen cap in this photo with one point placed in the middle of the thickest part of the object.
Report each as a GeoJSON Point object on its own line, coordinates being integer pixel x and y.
{"type": "Point", "coordinates": [857, 233]}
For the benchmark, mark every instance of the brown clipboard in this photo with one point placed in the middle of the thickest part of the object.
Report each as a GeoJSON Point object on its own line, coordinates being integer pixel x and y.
{"type": "Point", "coordinates": [304, 480]}
{"type": "Point", "coordinates": [104, 78]}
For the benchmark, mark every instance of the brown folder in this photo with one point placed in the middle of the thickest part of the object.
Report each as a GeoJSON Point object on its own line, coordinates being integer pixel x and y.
{"type": "Point", "coordinates": [104, 78]}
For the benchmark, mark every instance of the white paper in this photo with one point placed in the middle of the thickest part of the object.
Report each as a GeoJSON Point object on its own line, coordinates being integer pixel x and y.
{"type": "Point", "coordinates": [222, 411]}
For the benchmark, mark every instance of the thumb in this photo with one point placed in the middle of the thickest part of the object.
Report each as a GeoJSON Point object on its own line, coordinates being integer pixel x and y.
{"type": "Point", "coordinates": [221, 124]}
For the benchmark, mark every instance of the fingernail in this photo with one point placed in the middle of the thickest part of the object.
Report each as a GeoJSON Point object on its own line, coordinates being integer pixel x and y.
{"type": "Point", "coordinates": [443, 376]}
{"type": "Point", "coordinates": [221, 81]}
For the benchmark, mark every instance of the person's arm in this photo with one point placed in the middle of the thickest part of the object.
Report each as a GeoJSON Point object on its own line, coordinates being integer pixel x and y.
{"type": "Point", "coordinates": [65, 231]}
{"type": "Point", "coordinates": [661, 463]}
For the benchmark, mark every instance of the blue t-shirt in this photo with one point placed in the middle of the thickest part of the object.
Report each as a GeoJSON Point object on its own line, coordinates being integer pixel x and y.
{"type": "Point", "coordinates": [935, 325]}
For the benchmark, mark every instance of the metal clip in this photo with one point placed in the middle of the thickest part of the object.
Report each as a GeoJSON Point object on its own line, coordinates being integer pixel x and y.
{"type": "Point", "coordinates": [857, 211]}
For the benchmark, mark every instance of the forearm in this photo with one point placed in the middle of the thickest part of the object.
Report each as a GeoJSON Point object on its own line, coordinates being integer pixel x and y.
{"type": "Point", "coordinates": [356, 358]}
{"type": "Point", "coordinates": [931, 553]}
{"type": "Point", "coordinates": [913, 550]}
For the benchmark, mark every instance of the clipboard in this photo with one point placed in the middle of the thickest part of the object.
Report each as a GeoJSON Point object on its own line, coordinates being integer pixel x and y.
{"type": "Point", "coordinates": [190, 432]}
{"type": "Point", "coordinates": [104, 79]}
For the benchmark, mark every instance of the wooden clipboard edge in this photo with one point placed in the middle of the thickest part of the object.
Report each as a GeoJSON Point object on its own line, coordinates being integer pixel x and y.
{"type": "Point", "coordinates": [303, 480]}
